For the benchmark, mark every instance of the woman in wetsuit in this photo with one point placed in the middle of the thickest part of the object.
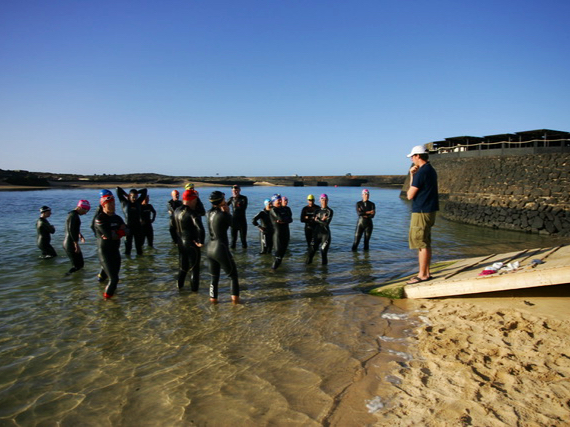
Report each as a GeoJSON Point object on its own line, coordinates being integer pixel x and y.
{"type": "Point", "coordinates": [44, 230]}
{"type": "Point", "coordinates": [322, 234]}
{"type": "Point", "coordinates": [148, 215]}
{"type": "Point", "coordinates": [131, 204]}
{"type": "Point", "coordinates": [109, 228]}
{"type": "Point", "coordinates": [190, 231]}
{"type": "Point", "coordinates": [73, 235]}
{"type": "Point", "coordinates": [281, 218]}
{"type": "Point", "coordinates": [263, 221]}
{"type": "Point", "coordinates": [365, 209]}
{"type": "Point", "coordinates": [219, 255]}
{"type": "Point", "coordinates": [238, 204]}
{"type": "Point", "coordinates": [308, 218]}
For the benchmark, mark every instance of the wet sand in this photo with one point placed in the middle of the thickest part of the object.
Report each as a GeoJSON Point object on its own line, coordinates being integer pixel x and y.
{"type": "Point", "coordinates": [498, 359]}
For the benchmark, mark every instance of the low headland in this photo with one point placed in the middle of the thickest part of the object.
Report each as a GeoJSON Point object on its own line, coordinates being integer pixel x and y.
{"type": "Point", "coordinates": [22, 180]}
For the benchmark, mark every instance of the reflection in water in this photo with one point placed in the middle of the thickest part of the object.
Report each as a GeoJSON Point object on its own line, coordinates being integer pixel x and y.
{"type": "Point", "coordinates": [157, 356]}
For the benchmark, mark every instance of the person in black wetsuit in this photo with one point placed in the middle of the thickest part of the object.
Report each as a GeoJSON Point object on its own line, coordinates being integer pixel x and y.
{"type": "Point", "coordinates": [238, 204]}
{"type": "Point", "coordinates": [172, 205]}
{"type": "Point", "coordinates": [102, 193]}
{"type": "Point", "coordinates": [109, 228]}
{"type": "Point", "coordinates": [263, 221]}
{"type": "Point", "coordinates": [365, 209]}
{"type": "Point", "coordinates": [322, 234]}
{"type": "Point", "coordinates": [73, 235]}
{"type": "Point", "coordinates": [190, 231]}
{"type": "Point", "coordinates": [44, 230]}
{"type": "Point", "coordinates": [148, 215]}
{"type": "Point", "coordinates": [131, 204]}
{"type": "Point", "coordinates": [281, 218]}
{"type": "Point", "coordinates": [308, 218]}
{"type": "Point", "coordinates": [219, 255]}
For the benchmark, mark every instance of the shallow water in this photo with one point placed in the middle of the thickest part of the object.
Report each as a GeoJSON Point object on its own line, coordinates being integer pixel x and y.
{"type": "Point", "coordinates": [156, 356]}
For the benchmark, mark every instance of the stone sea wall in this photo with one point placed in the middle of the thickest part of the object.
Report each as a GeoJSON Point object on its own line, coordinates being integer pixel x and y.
{"type": "Point", "coordinates": [528, 193]}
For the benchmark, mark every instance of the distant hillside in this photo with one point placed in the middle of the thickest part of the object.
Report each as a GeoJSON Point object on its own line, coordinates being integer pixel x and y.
{"type": "Point", "coordinates": [47, 179]}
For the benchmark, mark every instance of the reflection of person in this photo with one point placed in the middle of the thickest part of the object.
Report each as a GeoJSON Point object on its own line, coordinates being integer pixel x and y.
{"type": "Point", "coordinates": [425, 203]}
{"type": "Point", "coordinates": [322, 233]}
{"type": "Point", "coordinates": [73, 235]}
{"type": "Point", "coordinates": [238, 203]}
{"type": "Point", "coordinates": [281, 218]}
{"type": "Point", "coordinates": [190, 231]}
{"type": "Point", "coordinates": [219, 255]}
{"type": "Point", "coordinates": [131, 204]}
{"type": "Point", "coordinates": [148, 215]}
{"type": "Point", "coordinates": [172, 205]}
{"type": "Point", "coordinates": [308, 218]}
{"type": "Point", "coordinates": [109, 228]}
{"type": "Point", "coordinates": [365, 209]}
{"type": "Point", "coordinates": [44, 230]}
{"type": "Point", "coordinates": [263, 221]}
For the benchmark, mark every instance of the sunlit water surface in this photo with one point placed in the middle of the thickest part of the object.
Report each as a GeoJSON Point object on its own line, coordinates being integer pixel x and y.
{"type": "Point", "coordinates": [156, 356]}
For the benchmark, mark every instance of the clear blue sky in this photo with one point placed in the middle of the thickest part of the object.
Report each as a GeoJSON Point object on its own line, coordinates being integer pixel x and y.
{"type": "Point", "coordinates": [271, 87]}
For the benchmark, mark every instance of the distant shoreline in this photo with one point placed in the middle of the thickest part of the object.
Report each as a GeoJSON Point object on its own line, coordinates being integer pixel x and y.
{"type": "Point", "coordinates": [23, 180]}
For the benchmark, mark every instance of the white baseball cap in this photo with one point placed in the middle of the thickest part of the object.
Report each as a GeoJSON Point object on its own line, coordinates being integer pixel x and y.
{"type": "Point", "coordinates": [418, 149]}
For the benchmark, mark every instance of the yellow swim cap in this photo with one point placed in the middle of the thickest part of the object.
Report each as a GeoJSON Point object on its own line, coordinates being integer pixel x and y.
{"type": "Point", "coordinates": [310, 197]}
{"type": "Point", "coordinates": [189, 186]}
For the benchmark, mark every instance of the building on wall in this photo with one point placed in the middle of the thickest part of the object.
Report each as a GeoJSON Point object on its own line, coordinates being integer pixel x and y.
{"type": "Point", "coordinates": [518, 143]}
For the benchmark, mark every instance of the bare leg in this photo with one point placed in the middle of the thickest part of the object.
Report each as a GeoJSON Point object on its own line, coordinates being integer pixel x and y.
{"type": "Point", "coordinates": [424, 258]}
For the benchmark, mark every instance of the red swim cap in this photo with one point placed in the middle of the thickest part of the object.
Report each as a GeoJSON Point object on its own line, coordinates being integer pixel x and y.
{"type": "Point", "coordinates": [106, 199]}
{"type": "Point", "coordinates": [189, 195]}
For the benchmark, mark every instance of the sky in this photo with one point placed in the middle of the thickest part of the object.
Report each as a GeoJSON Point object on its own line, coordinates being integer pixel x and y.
{"type": "Point", "coordinates": [271, 87]}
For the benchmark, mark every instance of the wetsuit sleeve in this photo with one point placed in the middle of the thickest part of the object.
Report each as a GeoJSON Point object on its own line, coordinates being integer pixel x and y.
{"type": "Point", "coordinates": [360, 208]}
{"type": "Point", "coordinates": [373, 209]}
{"type": "Point", "coordinates": [142, 195]}
{"type": "Point", "coordinates": [200, 210]}
{"type": "Point", "coordinates": [103, 228]}
{"type": "Point", "coordinates": [256, 218]}
{"type": "Point", "coordinates": [245, 202]}
{"type": "Point", "coordinates": [202, 232]}
{"type": "Point", "coordinates": [73, 226]}
{"type": "Point", "coordinates": [122, 195]}
{"type": "Point", "coordinates": [153, 213]}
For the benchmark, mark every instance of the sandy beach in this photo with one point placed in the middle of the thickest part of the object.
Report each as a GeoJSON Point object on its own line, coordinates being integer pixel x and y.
{"type": "Point", "coordinates": [493, 360]}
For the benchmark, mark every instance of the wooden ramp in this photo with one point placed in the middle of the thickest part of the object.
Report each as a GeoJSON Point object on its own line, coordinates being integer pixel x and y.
{"type": "Point", "coordinates": [462, 277]}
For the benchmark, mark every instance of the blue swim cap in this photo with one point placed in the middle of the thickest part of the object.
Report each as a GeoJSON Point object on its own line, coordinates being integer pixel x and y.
{"type": "Point", "coordinates": [104, 193]}
{"type": "Point", "coordinates": [266, 202]}
{"type": "Point", "coordinates": [276, 197]}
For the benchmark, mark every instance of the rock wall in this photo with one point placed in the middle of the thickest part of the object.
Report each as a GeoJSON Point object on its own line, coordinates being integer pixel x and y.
{"type": "Point", "coordinates": [528, 193]}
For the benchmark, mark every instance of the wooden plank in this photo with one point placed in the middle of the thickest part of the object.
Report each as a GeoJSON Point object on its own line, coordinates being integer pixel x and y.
{"type": "Point", "coordinates": [468, 266]}
{"type": "Point", "coordinates": [517, 280]}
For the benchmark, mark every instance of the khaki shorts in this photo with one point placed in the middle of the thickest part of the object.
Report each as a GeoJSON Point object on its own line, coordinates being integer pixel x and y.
{"type": "Point", "coordinates": [420, 230]}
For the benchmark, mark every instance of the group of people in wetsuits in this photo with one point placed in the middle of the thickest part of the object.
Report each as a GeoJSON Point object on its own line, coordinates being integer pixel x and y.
{"type": "Point", "coordinates": [188, 233]}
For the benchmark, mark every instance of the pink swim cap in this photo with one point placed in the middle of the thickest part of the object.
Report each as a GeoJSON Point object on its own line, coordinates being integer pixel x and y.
{"type": "Point", "coordinates": [324, 196]}
{"type": "Point", "coordinates": [84, 204]}
{"type": "Point", "coordinates": [365, 191]}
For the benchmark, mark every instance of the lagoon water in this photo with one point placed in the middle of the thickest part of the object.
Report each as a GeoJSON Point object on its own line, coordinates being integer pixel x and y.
{"type": "Point", "coordinates": [156, 356]}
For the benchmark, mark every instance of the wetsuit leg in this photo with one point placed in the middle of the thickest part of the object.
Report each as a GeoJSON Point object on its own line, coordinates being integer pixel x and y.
{"type": "Point", "coordinates": [308, 235]}
{"type": "Point", "coordinates": [367, 235]}
{"type": "Point", "coordinates": [150, 235]}
{"type": "Point", "coordinates": [243, 233]}
{"type": "Point", "coordinates": [47, 249]}
{"type": "Point", "coordinates": [129, 244]}
{"type": "Point", "coordinates": [215, 273]}
{"type": "Point", "coordinates": [76, 259]}
{"type": "Point", "coordinates": [325, 245]}
{"type": "Point", "coordinates": [357, 236]}
{"type": "Point", "coordinates": [195, 275]}
{"type": "Point", "coordinates": [111, 263]}
{"type": "Point", "coordinates": [183, 265]}
{"type": "Point", "coordinates": [139, 241]}
{"type": "Point", "coordinates": [172, 230]}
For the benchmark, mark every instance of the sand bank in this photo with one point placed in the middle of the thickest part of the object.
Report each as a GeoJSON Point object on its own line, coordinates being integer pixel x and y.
{"type": "Point", "coordinates": [492, 360]}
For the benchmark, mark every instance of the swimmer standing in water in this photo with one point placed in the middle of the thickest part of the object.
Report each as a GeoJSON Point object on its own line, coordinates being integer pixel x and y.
{"type": "Point", "coordinates": [365, 209]}
{"type": "Point", "coordinates": [263, 221]}
{"type": "Point", "coordinates": [322, 234]}
{"type": "Point", "coordinates": [73, 235]}
{"type": "Point", "coordinates": [308, 218]}
{"type": "Point", "coordinates": [218, 252]}
{"type": "Point", "coordinates": [172, 205]}
{"type": "Point", "coordinates": [131, 204]}
{"type": "Point", "coordinates": [281, 218]}
{"type": "Point", "coordinates": [238, 203]}
{"type": "Point", "coordinates": [110, 228]}
{"type": "Point", "coordinates": [44, 230]}
{"type": "Point", "coordinates": [148, 215]}
{"type": "Point", "coordinates": [190, 231]}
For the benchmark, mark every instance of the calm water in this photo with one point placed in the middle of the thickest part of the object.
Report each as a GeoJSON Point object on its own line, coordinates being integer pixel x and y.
{"type": "Point", "coordinates": [156, 356]}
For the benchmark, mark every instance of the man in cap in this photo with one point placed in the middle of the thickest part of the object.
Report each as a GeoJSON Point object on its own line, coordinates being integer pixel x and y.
{"type": "Point", "coordinates": [425, 203]}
